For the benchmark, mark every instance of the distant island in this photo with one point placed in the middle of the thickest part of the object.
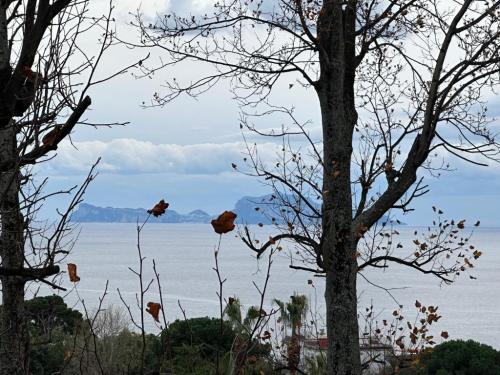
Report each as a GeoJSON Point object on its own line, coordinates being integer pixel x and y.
{"type": "Point", "coordinates": [250, 210]}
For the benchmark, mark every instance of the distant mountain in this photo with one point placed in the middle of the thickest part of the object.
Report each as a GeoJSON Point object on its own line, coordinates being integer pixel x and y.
{"type": "Point", "coordinates": [87, 213]}
{"type": "Point", "coordinates": [266, 210]}
{"type": "Point", "coordinates": [250, 210]}
{"type": "Point", "coordinates": [254, 210]}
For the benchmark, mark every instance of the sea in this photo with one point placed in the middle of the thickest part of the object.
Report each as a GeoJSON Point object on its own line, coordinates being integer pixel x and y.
{"type": "Point", "coordinates": [107, 255]}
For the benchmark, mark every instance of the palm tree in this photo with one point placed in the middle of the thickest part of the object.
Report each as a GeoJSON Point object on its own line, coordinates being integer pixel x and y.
{"type": "Point", "coordinates": [243, 328]}
{"type": "Point", "coordinates": [233, 315]}
{"type": "Point", "coordinates": [292, 314]}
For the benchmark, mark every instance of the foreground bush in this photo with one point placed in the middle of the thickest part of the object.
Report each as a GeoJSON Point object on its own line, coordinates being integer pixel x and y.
{"type": "Point", "coordinates": [192, 345]}
{"type": "Point", "coordinates": [460, 357]}
{"type": "Point", "coordinates": [63, 341]}
{"type": "Point", "coordinates": [203, 333]}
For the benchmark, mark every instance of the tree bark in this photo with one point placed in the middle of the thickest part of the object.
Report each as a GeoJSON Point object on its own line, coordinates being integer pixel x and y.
{"type": "Point", "coordinates": [335, 89]}
{"type": "Point", "coordinates": [14, 338]}
{"type": "Point", "coordinates": [339, 245]}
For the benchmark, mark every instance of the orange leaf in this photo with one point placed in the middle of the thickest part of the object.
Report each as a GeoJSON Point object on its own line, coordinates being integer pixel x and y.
{"type": "Point", "coordinates": [224, 223]}
{"type": "Point", "coordinates": [444, 335]}
{"type": "Point", "coordinates": [154, 310]}
{"type": "Point", "coordinates": [159, 208]}
{"type": "Point", "coordinates": [73, 277]}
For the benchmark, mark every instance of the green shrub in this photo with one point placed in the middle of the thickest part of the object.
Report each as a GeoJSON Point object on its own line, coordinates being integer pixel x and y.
{"type": "Point", "coordinates": [49, 313]}
{"type": "Point", "coordinates": [460, 357]}
{"type": "Point", "coordinates": [203, 333]}
{"type": "Point", "coordinates": [51, 323]}
{"type": "Point", "coordinates": [47, 358]}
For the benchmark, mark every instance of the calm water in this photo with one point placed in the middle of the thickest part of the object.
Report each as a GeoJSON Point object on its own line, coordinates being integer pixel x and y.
{"type": "Point", "coordinates": [184, 258]}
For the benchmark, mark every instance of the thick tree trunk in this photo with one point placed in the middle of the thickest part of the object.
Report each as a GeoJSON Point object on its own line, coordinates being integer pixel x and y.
{"type": "Point", "coordinates": [339, 245]}
{"type": "Point", "coordinates": [339, 259]}
{"type": "Point", "coordinates": [335, 89]}
{"type": "Point", "coordinates": [342, 322]}
{"type": "Point", "coordinates": [14, 339]}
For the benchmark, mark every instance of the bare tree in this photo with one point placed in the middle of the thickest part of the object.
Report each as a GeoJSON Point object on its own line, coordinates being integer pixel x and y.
{"type": "Point", "coordinates": [45, 74]}
{"type": "Point", "coordinates": [411, 77]}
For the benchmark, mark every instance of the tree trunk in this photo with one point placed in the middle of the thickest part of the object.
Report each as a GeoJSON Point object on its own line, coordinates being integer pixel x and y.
{"type": "Point", "coordinates": [335, 89]}
{"type": "Point", "coordinates": [339, 259]}
{"type": "Point", "coordinates": [336, 96]}
{"type": "Point", "coordinates": [339, 249]}
{"type": "Point", "coordinates": [14, 339]}
{"type": "Point", "coordinates": [342, 322]}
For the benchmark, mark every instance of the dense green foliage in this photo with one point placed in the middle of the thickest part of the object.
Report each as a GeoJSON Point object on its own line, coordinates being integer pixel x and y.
{"type": "Point", "coordinates": [47, 358]}
{"type": "Point", "coordinates": [460, 357]}
{"type": "Point", "coordinates": [52, 324]}
{"type": "Point", "coordinates": [192, 345]}
{"type": "Point", "coordinates": [50, 313]}
{"type": "Point", "coordinates": [203, 333]}
{"type": "Point", "coordinates": [62, 339]}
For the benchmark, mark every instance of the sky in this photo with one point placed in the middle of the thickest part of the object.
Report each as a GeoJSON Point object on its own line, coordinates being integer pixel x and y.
{"type": "Point", "coordinates": [182, 152]}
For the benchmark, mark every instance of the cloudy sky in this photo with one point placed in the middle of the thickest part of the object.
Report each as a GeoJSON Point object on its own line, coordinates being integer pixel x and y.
{"type": "Point", "coordinates": [183, 151]}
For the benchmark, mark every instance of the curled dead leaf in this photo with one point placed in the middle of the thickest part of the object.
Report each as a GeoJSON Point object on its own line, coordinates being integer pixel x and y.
{"type": "Point", "coordinates": [73, 277]}
{"type": "Point", "coordinates": [154, 309]}
{"type": "Point", "coordinates": [159, 208]}
{"type": "Point", "coordinates": [224, 223]}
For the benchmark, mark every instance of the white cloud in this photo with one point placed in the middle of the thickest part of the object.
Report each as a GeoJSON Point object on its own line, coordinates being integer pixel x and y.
{"type": "Point", "coordinates": [130, 156]}
{"type": "Point", "coordinates": [200, 5]}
